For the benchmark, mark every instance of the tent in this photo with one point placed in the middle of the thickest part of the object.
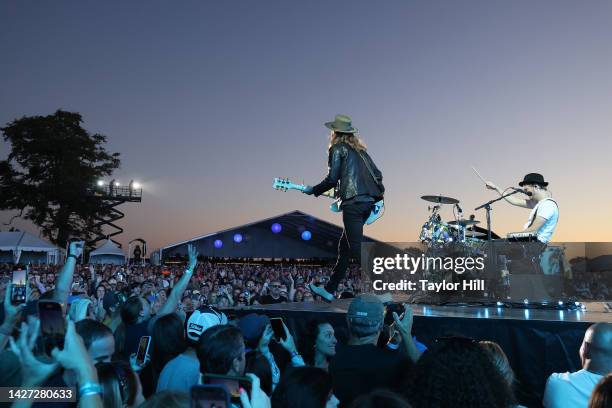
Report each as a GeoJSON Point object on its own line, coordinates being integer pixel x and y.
{"type": "Point", "coordinates": [23, 247]}
{"type": "Point", "coordinates": [108, 253]}
{"type": "Point", "coordinates": [293, 235]}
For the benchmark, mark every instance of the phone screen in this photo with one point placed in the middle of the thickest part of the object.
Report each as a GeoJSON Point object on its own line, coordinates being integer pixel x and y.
{"type": "Point", "coordinates": [278, 328]}
{"type": "Point", "coordinates": [52, 325]}
{"type": "Point", "coordinates": [209, 396]}
{"type": "Point", "coordinates": [18, 293]}
{"type": "Point", "coordinates": [143, 348]}
{"type": "Point", "coordinates": [231, 384]}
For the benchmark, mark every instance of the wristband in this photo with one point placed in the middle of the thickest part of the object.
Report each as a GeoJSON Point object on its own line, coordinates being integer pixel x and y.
{"type": "Point", "coordinates": [90, 388]}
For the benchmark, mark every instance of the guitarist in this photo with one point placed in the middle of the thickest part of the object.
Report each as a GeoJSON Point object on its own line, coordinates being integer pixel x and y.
{"type": "Point", "coordinates": [358, 184]}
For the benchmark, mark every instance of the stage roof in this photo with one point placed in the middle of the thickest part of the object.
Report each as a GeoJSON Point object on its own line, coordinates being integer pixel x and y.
{"type": "Point", "coordinates": [258, 240]}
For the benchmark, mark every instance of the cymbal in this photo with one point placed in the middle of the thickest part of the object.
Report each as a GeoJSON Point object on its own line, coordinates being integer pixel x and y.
{"type": "Point", "coordinates": [440, 199]}
{"type": "Point", "coordinates": [464, 223]}
{"type": "Point", "coordinates": [475, 234]}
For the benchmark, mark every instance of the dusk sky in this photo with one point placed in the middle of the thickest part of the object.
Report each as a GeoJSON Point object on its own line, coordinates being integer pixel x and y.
{"type": "Point", "coordinates": [208, 101]}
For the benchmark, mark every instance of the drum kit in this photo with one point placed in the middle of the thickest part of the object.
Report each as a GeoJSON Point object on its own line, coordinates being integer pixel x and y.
{"type": "Point", "coordinates": [437, 233]}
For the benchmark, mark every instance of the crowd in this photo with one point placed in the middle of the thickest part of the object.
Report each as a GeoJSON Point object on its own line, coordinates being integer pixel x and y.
{"type": "Point", "coordinates": [375, 362]}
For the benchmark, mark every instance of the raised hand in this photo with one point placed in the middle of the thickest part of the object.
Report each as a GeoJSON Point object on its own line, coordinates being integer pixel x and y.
{"type": "Point", "coordinates": [11, 312]}
{"type": "Point", "coordinates": [404, 325]}
{"type": "Point", "coordinates": [288, 343]}
{"type": "Point", "coordinates": [34, 371]}
{"type": "Point", "coordinates": [193, 257]}
{"type": "Point", "coordinates": [491, 186]}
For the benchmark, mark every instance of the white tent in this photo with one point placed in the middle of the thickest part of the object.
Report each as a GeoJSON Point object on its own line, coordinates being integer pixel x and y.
{"type": "Point", "coordinates": [108, 253]}
{"type": "Point", "coordinates": [23, 247]}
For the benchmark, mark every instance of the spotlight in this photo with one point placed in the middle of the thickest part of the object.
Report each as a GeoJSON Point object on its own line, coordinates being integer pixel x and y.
{"type": "Point", "coordinates": [526, 301]}
{"type": "Point", "coordinates": [117, 184]}
{"type": "Point", "coordinates": [276, 228]}
{"type": "Point", "coordinates": [100, 183]}
{"type": "Point", "coordinates": [136, 184]}
{"type": "Point", "coordinates": [306, 235]}
{"type": "Point", "coordinates": [237, 238]}
{"type": "Point", "coordinates": [499, 304]}
{"type": "Point", "coordinates": [218, 243]}
{"type": "Point", "coordinates": [560, 303]}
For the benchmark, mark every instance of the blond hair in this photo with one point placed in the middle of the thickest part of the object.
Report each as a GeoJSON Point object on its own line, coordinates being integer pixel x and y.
{"type": "Point", "coordinates": [349, 138]}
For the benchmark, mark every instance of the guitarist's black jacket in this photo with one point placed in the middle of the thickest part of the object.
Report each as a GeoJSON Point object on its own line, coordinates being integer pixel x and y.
{"type": "Point", "coordinates": [348, 171]}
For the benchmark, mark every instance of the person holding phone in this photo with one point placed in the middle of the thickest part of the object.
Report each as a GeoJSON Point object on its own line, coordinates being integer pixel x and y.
{"type": "Point", "coordinates": [258, 331]}
{"type": "Point", "coordinates": [136, 312]}
{"type": "Point", "coordinates": [12, 315]}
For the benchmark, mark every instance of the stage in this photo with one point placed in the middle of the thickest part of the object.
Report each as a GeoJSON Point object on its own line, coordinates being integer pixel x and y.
{"type": "Point", "coordinates": [537, 342]}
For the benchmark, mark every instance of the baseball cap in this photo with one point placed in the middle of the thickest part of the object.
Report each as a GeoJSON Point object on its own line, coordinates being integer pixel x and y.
{"type": "Point", "coordinates": [365, 314]}
{"type": "Point", "coordinates": [202, 319]}
{"type": "Point", "coordinates": [252, 327]}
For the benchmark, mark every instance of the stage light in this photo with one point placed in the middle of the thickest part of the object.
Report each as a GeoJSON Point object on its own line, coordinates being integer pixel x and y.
{"type": "Point", "coordinates": [499, 304]}
{"type": "Point", "coordinates": [218, 243]}
{"type": "Point", "coordinates": [237, 238]}
{"type": "Point", "coordinates": [560, 303]}
{"type": "Point", "coordinates": [117, 184]}
{"type": "Point", "coordinates": [306, 235]}
{"type": "Point", "coordinates": [136, 184]}
{"type": "Point", "coordinates": [100, 183]}
{"type": "Point", "coordinates": [276, 228]}
{"type": "Point", "coordinates": [526, 301]}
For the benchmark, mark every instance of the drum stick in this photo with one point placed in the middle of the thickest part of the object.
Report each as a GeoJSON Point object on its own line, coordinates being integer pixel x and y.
{"type": "Point", "coordinates": [478, 174]}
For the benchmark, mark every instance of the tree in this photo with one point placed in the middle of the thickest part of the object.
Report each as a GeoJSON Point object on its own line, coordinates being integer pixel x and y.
{"type": "Point", "coordinates": [50, 171]}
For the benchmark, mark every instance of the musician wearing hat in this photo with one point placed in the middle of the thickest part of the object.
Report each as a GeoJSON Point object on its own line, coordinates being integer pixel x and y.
{"type": "Point", "coordinates": [544, 210]}
{"type": "Point", "coordinates": [358, 182]}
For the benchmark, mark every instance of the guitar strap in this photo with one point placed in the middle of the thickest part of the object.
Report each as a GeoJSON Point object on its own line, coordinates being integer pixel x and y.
{"type": "Point", "coordinates": [378, 184]}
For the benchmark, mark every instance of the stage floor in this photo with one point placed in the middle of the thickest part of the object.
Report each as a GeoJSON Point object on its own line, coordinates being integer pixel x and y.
{"type": "Point", "coordinates": [595, 311]}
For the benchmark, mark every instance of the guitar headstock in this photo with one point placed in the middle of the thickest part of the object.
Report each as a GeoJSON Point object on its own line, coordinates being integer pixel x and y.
{"type": "Point", "coordinates": [282, 184]}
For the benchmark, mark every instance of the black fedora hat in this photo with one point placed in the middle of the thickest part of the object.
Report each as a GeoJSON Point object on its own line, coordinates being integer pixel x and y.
{"type": "Point", "coordinates": [534, 178]}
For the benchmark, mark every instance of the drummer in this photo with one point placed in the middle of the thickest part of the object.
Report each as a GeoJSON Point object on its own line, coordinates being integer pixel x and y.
{"type": "Point", "coordinates": [544, 210]}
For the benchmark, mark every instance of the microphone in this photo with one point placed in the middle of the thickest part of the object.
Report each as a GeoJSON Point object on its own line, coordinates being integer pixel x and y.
{"type": "Point", "coordinates": [520, 190]}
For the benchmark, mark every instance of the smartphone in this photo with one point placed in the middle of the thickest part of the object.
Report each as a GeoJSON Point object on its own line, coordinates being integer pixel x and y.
{"type": "Point", "coordinates": [18, 293]}
{"type": "Point", "coordinates": [143, 349]}
{"type": "Point", "coordinates": [209, 396]}
{"type": "Point", "coordinates": [52, 325]}
{"type": "Point", "coordinates": [278, 328]}
{"type": "Point", "coordinates": [393, 307]}
{"type": "Point", "coordinates": [231, 384]}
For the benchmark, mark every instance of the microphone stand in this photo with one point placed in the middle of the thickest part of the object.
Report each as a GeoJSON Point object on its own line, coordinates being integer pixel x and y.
{"type": "Point", "coordinates": [487, 206]}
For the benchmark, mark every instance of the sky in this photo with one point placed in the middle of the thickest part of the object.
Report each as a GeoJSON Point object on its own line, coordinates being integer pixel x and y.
{"type": "Point", "coordinates": [208, 101]}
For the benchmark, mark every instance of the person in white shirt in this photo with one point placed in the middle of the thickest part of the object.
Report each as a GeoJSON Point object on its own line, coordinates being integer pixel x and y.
{"type": "Point", "coordinates": [544, 210]}
{"type": "Point", "coordinates": [574, 389]}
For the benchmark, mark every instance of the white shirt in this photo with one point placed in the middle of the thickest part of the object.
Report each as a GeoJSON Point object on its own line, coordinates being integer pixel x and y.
{"type": "Point", "coordinates": [548, 210]}
{"type": "Point", "coordinates": [571, 390]}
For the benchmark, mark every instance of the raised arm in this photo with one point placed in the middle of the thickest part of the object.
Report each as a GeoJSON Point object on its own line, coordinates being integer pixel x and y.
{"type": "Point", "coordinates": [513, 199]}
{"type": "Point", "coordinates": [64, 281]}
{"type": "Point", "coordinates": [177, 291]}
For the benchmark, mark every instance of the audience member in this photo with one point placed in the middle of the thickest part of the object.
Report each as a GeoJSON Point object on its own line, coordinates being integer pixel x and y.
{"type": "Point", "coordinates": [457, 372]}
{"type": "Point", "coordinates": [360, 366]}
{"type": "Point", "coordinates": [319, 345]}
{"type": "Point", "coordinates": [120, 385]}
{"type": "Point", "coordinates": [305, 387]}
{"type": "Point", "coordinates": [602, 394]}
{"type": "Point", "coordinates": [380, 398]}
{"type": "Point", "coordinates": [98, 340]}
{"type": "Point", "coordinates": [574, 389]}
